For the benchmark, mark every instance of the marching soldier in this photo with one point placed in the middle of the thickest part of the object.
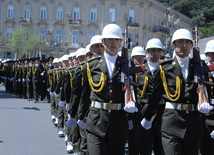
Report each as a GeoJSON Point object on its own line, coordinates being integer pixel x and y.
{"type": "Point", "coordinates": [50, 66]}
{"type": "Point", "coordinates": [43, 79]}
{"type": "Point", "coordinates": [52, 85]}
{"type": "Point", "coordinates": [149, 139]}
{"type": "Point", "coordinates": [37, 69]}
{"type": "Point", "coordinates": [24, 74]}
{"type": "Point", "coordinates": [181, 126]}
{"type": "Point", "coordinates": [29, 81]}
{"type": "Point", "coordinates": [60, 95]}
{"type": "Point", "coordinates": [106, 125]}
{"type": "Point", "coordinates": [97, 49]}
{"type": "Point", "coordinates": [137, 58]}
{"type": "Point", "coordinates": [207, 142]}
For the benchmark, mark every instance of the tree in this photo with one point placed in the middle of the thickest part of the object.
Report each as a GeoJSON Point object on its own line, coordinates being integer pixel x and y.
{"type": "Point", "coordinates": [201, 12]}
{"type": "Point", "coordinates": [22, 41]}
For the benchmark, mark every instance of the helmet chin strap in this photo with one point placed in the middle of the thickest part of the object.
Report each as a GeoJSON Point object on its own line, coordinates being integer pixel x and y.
{"type": "Point", "coordinates": [108, 50]}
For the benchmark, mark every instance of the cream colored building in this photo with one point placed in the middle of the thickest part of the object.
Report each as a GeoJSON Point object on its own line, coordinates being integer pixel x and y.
{"type": "Point", "coordinates": [66, 25]}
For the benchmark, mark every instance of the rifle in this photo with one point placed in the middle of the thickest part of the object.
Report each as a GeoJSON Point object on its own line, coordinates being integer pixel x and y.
{"type": "Point", "coordinates": [198, 77]}
{"type": "Point", "coordinates": [127, 70]}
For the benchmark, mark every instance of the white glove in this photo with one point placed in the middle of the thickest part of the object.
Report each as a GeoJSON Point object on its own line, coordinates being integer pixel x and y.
{"type": "Point", "coordinates": [71, 121]}
{"type": "Point", "coordinates": [51, 94]}
{"type": "Point", "coordinates": [61, 103]}
{"type": "Point", "coordinates": [81, 124]}
{"type": "Point", "coordinates": [42, 74]}
{"type": "Point", "coordinates": [130, 107]}
{"type": "Point", "coordinates": [57, 95]}
{"type": "Point", "coordinates": [19, 80]}
{"type": "Point", "coordinates": [130, 125]}
{"type": "Point", "coordinates": [205, 108]}
{"type": "Point", "coordinates": [67, 106]}
{"type": "Point", "coordinates": [28, 80]}
{"type": "Point", "coordinates": [146, 124]}
{"type": "Point", "coordinates": [23, 80]}
{"type": "Point", "coordinates": [212, 134]}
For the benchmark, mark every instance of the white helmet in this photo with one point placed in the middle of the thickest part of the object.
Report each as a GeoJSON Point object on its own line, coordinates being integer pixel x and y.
{"type": "Point", "coordinates": [56, 60]}
{"type": "Point", "coordinates": [112, 31]}
{"type": "Point", "coordinates": [72, 54]}
{"type": "Point", "coordinates": [64, 57]}
{"type": "Point", "coordinates": [181, 34]}
{"type": "Point", "coordinates": [96, 40]}
{"type": "Point", "coordinates": [154, 43]}
{"type": "Point", "coordinates": [209, 46]}
{"type": "Point", "coordinates": [80, 51]}
{"type": "Point", "coordinates": [87, 48]}
{"type": "Point", "coordinates": [138, 50]}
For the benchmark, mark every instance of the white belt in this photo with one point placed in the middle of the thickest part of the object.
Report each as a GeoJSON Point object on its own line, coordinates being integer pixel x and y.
{"type": "Point", "coordinates": [106, 106]}
{"type": "Point", "coordinates": [144, 100]}
{"type": "Point", "coordinates": [180, 106]}
{"type": "Point", "coordinates": [212, 101]}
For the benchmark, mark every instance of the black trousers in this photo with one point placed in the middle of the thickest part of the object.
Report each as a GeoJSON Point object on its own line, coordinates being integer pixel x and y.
{"type": "Point", "coordinates": [173, 145]}
{"type": "Point", "coordinates": [105, 146]}
{"type": "Point", "coordinates": [207, 143]}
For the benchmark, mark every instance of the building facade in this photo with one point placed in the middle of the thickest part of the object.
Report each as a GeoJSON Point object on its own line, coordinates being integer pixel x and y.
{"type": "Point", "coordinates": [66, 25]}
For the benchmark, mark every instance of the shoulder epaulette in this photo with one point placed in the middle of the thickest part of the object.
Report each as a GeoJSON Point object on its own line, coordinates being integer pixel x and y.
{"type": "Point", "coordinates": [94, 58]}
{"type": "Point", "coordinates": [165, 61]}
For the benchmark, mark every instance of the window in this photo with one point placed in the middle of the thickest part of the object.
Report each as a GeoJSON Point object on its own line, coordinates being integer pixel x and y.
{"type": "Point", "coordinates": [93, 15]}
{"type": "Point", "coordinates": [58, 36]}
{"type": "Point", "coordinates": [59, 14]}
{"type": "Point", "coordinates": [42, 35]}
{"type": "Point", "coordinates": [91, 34]}
{"type": "Point", "coordinates": [112, 15]}
{"type": "Point", "coordinates": [43, 13]}
{"type": "Point", "coordinates": [10, 12]}
{"type": "Point", "coordinates": [8, 55]}
{"type": "Point", "coordinates": [75, 38]}
{"type": "Point", "coordinates": [76, 13]}
{"type": "Point", "coordinates": [27, 12]}
{"type": "Point", "coordinates": [131, 16]}
{"type": "Point", "coordinates": [9, 33]}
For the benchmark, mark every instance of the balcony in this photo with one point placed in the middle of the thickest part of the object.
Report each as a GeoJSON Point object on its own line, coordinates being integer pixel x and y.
{"type": "Point", "coordinates": [75, 23]}
{"type": "Point", "coordinates": [161, 29]}
{"type": "Point", "coordinates": [25, 21]}
{"type": "Point", "coordinates": [10, 21]}
{"type": "Point", "coordinates": [132, 25]}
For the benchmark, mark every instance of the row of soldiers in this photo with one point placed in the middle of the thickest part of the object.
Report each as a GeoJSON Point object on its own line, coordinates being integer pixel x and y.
{"type": "Point", "coordinates": [27, 78]}
{"type": "Point", "coordinates": [89, 108]}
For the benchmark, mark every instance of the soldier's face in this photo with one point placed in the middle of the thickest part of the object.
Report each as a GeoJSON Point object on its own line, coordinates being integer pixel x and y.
{"type": "Point", "coordinates": [154, 54]}
{"type": "Point", "coordinates": [182, 47]}
{"type": "Point", "coordinates": [98, 49]}
{"type": "Point", "coordinates": [81, 58]}
{"type": "Point", "coordinates": [112, 45]}
{"type": "Point", "coordinates": [89, 55]}
{"type": "Point", "coordinates": [210, 57]}
{"type": "Point", "coordinates": [138, 59]}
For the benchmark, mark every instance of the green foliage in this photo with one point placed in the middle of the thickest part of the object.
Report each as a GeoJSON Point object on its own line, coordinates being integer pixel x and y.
{"type": "Point", "coordinates": [201, 12]}
{"type": "Point", "coordinates": [207, 31]}
{"type": "Point", "coordinates": [22, 41]}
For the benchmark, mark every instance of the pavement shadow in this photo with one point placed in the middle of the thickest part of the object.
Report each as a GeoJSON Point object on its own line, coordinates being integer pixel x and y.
{"type": "Point", "coordinates": [31, 108]}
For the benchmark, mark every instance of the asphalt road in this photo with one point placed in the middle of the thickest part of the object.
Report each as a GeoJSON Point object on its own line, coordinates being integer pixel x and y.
{"type": "Point", "coordinates": [26, 128]}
